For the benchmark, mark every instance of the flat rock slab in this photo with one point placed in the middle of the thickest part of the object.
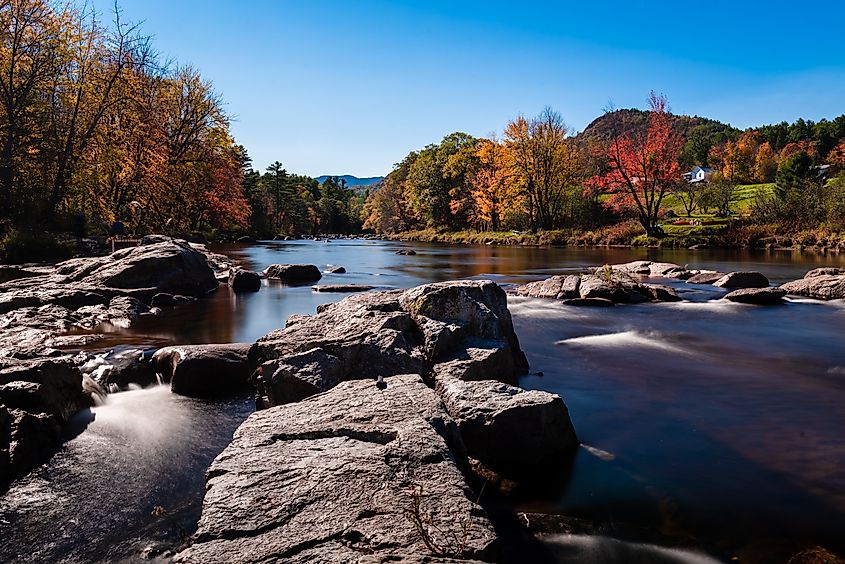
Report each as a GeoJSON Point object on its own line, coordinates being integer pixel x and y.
{"type": "Point", "coordinates": [818, 286]}
{"type": "Point", "coordinates": [705, 277]}
{"type": "Point", "coordinates": [333, 477]}
{"type": "Point", "coordinates": [514, 432]}
{"type": "Point", "coordinates": [757, 296]}
{"type": "Point", "coordinates": [342, 288]}
{"type": "Point", "coordinates": [293, 272]}
{"type": "Point", "coordinates": [736, 280]}
{"type": "Point", "coordinates": [205, 370]}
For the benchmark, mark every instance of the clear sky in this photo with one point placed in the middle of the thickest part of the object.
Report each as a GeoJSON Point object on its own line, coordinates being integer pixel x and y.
{"type": "Point", "coordinates": [350, 87]}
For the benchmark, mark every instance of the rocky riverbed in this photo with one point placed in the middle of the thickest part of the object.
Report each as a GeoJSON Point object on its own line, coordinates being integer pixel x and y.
{"type": "Point", "coordinates": [380, 417]}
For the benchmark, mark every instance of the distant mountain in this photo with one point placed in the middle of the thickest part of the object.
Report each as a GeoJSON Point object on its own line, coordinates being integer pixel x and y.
{"type": "Point", "coordinates": [352, 181]}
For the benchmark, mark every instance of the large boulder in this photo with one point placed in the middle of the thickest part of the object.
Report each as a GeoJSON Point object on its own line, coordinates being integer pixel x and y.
{"type": "Point", "coordinates": [757, 296]}
{"type": "Point", "coordinates": [296, 273]}
{"type": "Point", "coordinates": [450, 314]}
{"type": "Point", "coordinates": [368, 333]}
{"type": "Point", "coordinates": [37, 397]}
{"type": "Point", "coordinates": [736, 280]}
{"type": "Point", "coordinates": [825, 271]}
{"type": "Point", "coordinates": [171, 266]}
{"type": "Point", "coordinates": [241, 280]}
{"type": "Point", "coordinates": [517, 434]}
{"type": "Point", "coordinates": [205, 370]}
{"type": "Point", "coordinates": [818, 286]}
{"type": "Point", "coordinates": [355, 474]}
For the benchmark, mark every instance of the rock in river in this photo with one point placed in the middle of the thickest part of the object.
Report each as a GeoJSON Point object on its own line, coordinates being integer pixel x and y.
{"type": "Point", "coordinates": [757, 296]}
{"type": "Point", "coordinates": [342, 288]}
{"type": "Point", "coordinates": [819, 284]}
{"type": "Point", "coordinates": [511, 431]}
{"type": "Point", "coordinates": [241, 280]}
{"type": "Point", "coordinates": [204, 370]}
{"type": "Point", "coordinates": [37, 397]}
{"type": "Point", "coordinates": [735, 280]}
{"type": "Point", "coordinates": [336, 478]}
{"type": "Point", "coordinates": [293, 272]}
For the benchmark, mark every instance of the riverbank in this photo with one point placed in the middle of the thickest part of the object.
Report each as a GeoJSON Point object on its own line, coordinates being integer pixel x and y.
{"type": "Point", "coordinates": [725, 235]}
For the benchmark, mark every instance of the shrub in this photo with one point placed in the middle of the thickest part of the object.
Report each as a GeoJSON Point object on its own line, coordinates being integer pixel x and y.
{"type": "Point", "coordinates": [31, 246]}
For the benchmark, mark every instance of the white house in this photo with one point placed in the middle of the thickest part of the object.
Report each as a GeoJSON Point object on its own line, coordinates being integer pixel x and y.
{"type": "Point", "coordinates": [699, 174]}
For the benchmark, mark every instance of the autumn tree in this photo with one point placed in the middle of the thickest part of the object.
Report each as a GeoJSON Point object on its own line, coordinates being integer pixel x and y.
{"type": "Point", "coordinates": [493, 194]}
{"type": "Point", "coordinates": [642, 166]}
{"type": "Point", "coordinates": [545, 163]}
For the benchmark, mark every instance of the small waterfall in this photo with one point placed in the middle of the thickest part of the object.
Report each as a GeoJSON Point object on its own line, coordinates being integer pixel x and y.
{"type": "Point", "coordinates": [159, 378]}
{"type": "Point", "coordinates": [95, 389]}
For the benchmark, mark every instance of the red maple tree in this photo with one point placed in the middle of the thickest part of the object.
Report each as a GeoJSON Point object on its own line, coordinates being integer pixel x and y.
{"type": "Point", "coordinates": [641, 166]}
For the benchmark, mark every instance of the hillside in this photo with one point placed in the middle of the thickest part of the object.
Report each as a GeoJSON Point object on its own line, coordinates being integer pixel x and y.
{"type": "Point", "coordinates": [619, 121]}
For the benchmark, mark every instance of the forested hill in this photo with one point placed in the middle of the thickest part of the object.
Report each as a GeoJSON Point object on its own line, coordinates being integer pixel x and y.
{"type": "Point", "coordinates": [351, 181]}
{"type": "Point", "coordinates": [620, 121]}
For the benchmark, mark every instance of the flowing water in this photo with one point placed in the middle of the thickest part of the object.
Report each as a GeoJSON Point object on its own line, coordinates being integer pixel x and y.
{"type": "Point", "coordinates": [708, 427]}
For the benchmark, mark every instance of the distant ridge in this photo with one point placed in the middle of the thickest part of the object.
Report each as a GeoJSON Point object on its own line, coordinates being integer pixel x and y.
{"type": "Point", "coordinates": [352, 180]}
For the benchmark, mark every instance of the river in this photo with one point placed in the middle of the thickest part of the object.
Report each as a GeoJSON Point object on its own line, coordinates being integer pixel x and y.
{"type": "Point", "coordinates": [710, 427]}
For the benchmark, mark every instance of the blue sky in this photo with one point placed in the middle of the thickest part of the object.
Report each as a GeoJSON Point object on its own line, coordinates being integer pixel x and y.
{"type": "Point", "coordinates": [336, 87]}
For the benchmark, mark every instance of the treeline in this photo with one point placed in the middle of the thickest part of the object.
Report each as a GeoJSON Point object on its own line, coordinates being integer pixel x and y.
{"type": "Point", "coordinates": [95, 126]}
{"type": "Point", "coordinates": [290, 204]}
{"type": "Point", "coordinates": [625, 165]}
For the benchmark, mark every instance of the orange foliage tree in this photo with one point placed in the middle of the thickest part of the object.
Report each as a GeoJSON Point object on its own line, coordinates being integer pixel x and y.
{"type": "Point", "coordinates": [642, 166]}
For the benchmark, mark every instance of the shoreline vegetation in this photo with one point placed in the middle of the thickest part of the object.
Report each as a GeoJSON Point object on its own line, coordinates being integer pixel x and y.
{"type": "Point", "coordinates": [725, 236]}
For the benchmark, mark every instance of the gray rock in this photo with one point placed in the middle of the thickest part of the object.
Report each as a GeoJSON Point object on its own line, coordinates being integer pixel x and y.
{"type": "Point", "coordinates": [450, 313]}
{"type": "Point", "coordinates": [556, 287]}
{"type": "Point", "coordinates": [516, 433]}
{"type": "Point", "coordinates": [332, 478]}
{"type": "Point", "coordinates": [705, 277]}
{"type": "Point", "coordinates": [37, 397]}
{"type": "Point", "coordinates": [757, 296]}
{"type": "Point", "coordinates": [396, 332]}
{"type": "Point", "coordinates": [618, 288]}
{"type": "Point", "coordinates": [342, 288]}
{"type": "Point", "coordinates": [205, 370]}
{"type": "Point", "coordinates": [486, 360]}
{"type": "Point", "coordinates": [336, 270]}
{"type": "Point", "coordinates": [825, 271]}
{"type": "Point", "coordinates": [735, 280]}
{"type": "Point", "coordinates": [820, 287]}
{"type": "Point", "coordinates": [241, 280]}
{"type": "Point", "coordinates": [660, 293]}
{"type": "Point", "coordinates": [293, 272]}
{"type": "Point", "coordinates": [299, 376]}
{"type": "Point", "coordinates": [406, 252]}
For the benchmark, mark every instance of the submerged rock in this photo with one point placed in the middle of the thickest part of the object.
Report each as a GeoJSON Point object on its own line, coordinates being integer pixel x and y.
{"type": "Point", "coordinates": [336, 270]}
{"type": "Point", "coordinates": [341, 477]}
{"type": "Point", "coordinates": [589, 302]}
{"type": "Point", "coordinates": [406, 252]}
{"type": "Point", "coordinates": [205, 370]}
{"type": "Point", "coordinates": [757, 296]}
{"type": "Point", "coordinates": [735, 280]}
{"type": "Point", "coordinates": [293, 272]}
